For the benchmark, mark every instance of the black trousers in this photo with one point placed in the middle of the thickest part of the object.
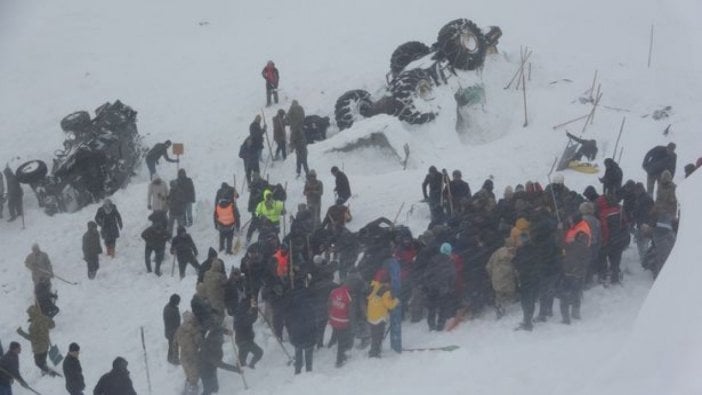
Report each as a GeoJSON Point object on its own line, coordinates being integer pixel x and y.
{"type": "Point", "coordinates": [439, 310]}
{"type": "Point", "coordinates": [377, 332]}
{"type": "Point", "coordinates": [571, 290]}
{"type": "Point", "coordinates": [547, 292]}
{"type": "Point", "coordinates": [344, 339]}
{"type": "Point", "coordinates": [183, 261]}
{"type": "Point", "coordinates": [249, 347]}
{"type": "Point", "coordinates": [281, 148]}
{"type": "Point", "coordinates": [93, 265]}
{"type": "Point", "coordinates": [14, 206]}
{"type": "Point", "coordinates": [270, 91]}
{"type": "Point", "coordinates": [40, 361]}
{"type": "Point", "coordinates": [301, 163]}
{"type": "Point", "coordinates": [172, 351]}
{"type": "Point", "coordinates": [528, 300]}
{"type": "Point", "coordinates": [308, 356]}
{"type": "Point", "coordinates": [158, 257]}
{"type": "Point", "coordinates": [225, 240]}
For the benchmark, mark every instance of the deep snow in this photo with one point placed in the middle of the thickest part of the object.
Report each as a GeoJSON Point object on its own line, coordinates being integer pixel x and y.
{"type": "Point", "coordinates": [198, 83]}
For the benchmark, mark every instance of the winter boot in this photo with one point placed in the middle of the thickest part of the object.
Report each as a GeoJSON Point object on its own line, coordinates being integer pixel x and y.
{"type": "Point", "coordinates": [525, 326]}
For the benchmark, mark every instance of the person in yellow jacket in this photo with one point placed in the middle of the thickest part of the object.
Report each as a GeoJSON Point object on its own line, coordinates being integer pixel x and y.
{"type": "Point", "coordinates": [267, 215]}
{"type": "Point", "coordinates": [380, 302]}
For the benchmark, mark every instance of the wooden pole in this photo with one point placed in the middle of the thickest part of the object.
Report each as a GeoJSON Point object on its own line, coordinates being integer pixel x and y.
{"type": "Point", "coordinates": [616, 145]}
{"type": "Point", "coordinates": [650, 47]}
{"type": "Point", "coordinates": [526, 121]}
{"type": "Point", "coordinates": [560, 125]}
{"type": "Point", "coordinates": [592, 88]}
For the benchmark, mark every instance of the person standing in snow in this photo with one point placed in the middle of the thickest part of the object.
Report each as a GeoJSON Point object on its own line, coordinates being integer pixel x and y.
{"type": "Point", "coordinates": [342, 189]}
{"type": "Point", "coordinates": [272, 77]}
{"type": "Point", "coordinates": [227, 221]}
{"type": "Point", "coordinates": [188, 339]}
{"type": "Point", "coordinates": [14, 194]}
{"type": "Point", "coordinates": [657, 160]}
{"type": "Point", "coordinates": [155, 237]}
{"type": "Point", "coordinates": [313, 192]}
{"type": "Point", "coordinates": [256, 133]}
{"type": "Point", "coordinates": [185, 185]}
{"type": "Point", "coordinates": [433, 180]}
{"type": "Point", "coordinates": [110, 222]}
{"type": "Point", "coordinates": [380, 302]}
{"type": "Point", "coordinates": [39, 264]}
{"type": "Point", "coordinates": [612, 179]}
{"type": "Point", "coordinates": [2, 194]}
{"type": "Point", "coordinates": [72, 371]}
{"type": "Point", "coordinates": [296, 119]}
{"type": "Point", "coordinates": [171, 322]}
{"type": "Point", "coordinates": [526, 262]}
{"type": "Point", "coordinates": [439, 288]}
{"type": "Point", "coordinates": [279, 135]}
{"type": "Point", "coordinates": [9, 369]}
{"type": "Point", "coordinates": [183, 247]}
{"type": "Point", "coordinates": [301, 326]}
{"type": "Point", "coordinates": [340, 321]}
{"type": "Point", "coordinates": [503, 276]}
{"type": "Point", "coordinates": [245, 312]}
{"type": "Point", "coordinates": [249, 155]}
{"type": "Point", "coordinates": [158, 151]}
{"type": "Point", "coordinates": [577, 241]}
{"type": "Point", "coordinates": [157, 195]}
{"type": "Point", "coordinates": [116, 381]}
{"type": "Point", "coordinates": [39, 327]}
{"type": "Point", "coordinates": [92, 249]}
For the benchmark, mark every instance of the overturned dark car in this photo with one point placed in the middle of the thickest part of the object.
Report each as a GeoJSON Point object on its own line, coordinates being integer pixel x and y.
{"type": "Point", "coordinates": [100, 155]}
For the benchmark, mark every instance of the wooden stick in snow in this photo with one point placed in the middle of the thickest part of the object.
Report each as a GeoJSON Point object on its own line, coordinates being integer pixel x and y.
{"type": "Point", "coordinates": [621, 129]}
{"type": "Point", "coordinates": [560, 125]}
{"type": "Point", "coordinates": [516, 73]}
{"type": "Point", "coordinates": [526, 122]}
{"type": "Point", "coordinates": [592, 88]}
{"type": "Point", "coordinates": [650, 47]}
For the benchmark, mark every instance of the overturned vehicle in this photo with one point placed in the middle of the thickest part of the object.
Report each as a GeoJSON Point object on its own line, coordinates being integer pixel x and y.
{"type": "Point", "coordinates": [100, 155]}
{"type": "Point", "coordinates": [415, 70]}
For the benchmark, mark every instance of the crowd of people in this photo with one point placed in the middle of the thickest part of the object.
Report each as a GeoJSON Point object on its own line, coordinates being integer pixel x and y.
{"type": "Point", "coordinates": [533, 245]}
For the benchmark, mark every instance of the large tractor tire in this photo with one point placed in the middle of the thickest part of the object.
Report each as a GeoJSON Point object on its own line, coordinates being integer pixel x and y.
{"type": "Point", "coordinates": [406, 54]}
{"type": "Point", "coordinates": [462, 44]}
{"type": "Point", "coordinates": [31, 172]}
{"type": "Point", "coordinates": [76, 122]}
{"type": "Point", "coordinates": [352, 106]}
{"type": "Point", "coordinates": [412, 90]}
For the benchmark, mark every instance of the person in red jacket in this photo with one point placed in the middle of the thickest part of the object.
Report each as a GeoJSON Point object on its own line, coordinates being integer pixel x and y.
{"type": "Point", "coordinates": [615, 237]}
{"type": "Point", "coordinates": [339, 312]}
{"type": "Point", "coordinates": [270, 74]}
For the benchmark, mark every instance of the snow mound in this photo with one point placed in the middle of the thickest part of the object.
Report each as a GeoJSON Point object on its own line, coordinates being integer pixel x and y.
{"type": "Point", "coordinates": [663, 352]}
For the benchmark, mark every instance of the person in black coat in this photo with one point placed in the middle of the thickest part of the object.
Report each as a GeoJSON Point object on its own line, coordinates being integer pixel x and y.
{"type": "Point", "coordinates": [9, 363]}
{"type": "Point", "coordinates": [433, 180]}
{"type": "Point", "coordinates": [73, 372]}
{"type": "Point", "coordinates": [158, 151]}
{"type": "Point", "coordinates": [253, 266]}
{"type": "Point", "coordinates": [245, 313]}
{"type": "Point", "coordinates": [459, 190]}
{"type": "Point", "coordinates": [110, 222]}
{"type": "Point", "coordinates": [256, 133]}
{"type": "Point", "coordinates": [177, 205]}
{"type": "Point", "coordinates": [657, 160]}
{"type": "Point", "coordinates": [301, 326]}
{"type": "Point", "coordinates": [249, 154]}
{"type": "Point", "coordinates": [171, 322]}
{"type": "Point", "coordinates": [612, 179]}
{"type": "Point", "coordinates": [92, 249]}
{"type": "Point", "coordinates": [155, 237]}
{"type": "Point", "coordinates": [185, 184]}
{"type": "Point", "coordinates": [439, 280]}
{"type": "Point", "coordinates": [342, 188]}
{"type": "Point", "coordinates": [526, 263]}
{"type": "Point", "coordinates": [14, 194]}
{"type": "Point", "coordinates": [116, 381]}
{"type": "Point", "coordinates": [183, 247]}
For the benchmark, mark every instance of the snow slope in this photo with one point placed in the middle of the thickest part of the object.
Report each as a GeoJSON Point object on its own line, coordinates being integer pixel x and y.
{"type": "Point", "coordinates": [191, 69]}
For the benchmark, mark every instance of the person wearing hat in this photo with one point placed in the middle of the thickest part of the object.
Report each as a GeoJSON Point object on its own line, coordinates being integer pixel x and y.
{"type": "Point", "coordinates": [342, 188]}
{"type": "Point", "coordinates": [256, 132]}
{"type": "Point", "coordinates": [171, 322]}
{"type": "Point", "coordinates": [92, 249]}
{"type": "Point", "coordinates": [227, 221]}
{"type": "Point", "coordinates": [39, 264]}
{"type": "Point", "coordinates": [9, 369]}
{"type": "Point", "coordinates": [314, 189]}
{"type": "Point", "coordinates": [612, 179]}
{"type": "Point", "coordinates": [298, 140]}
{"type": "Point", "coordinates": [73, 372]}
{"type": "Point", "coordinates": [272, 77]}
{"type": "Point", "coordinates": [158, 151]}
{"type": "Point", "coordinates": [183, 247]}
{"type": "Point", "coordinates": [279, 135]}
{"type": "Point", "coordinates": [110, 222]}
{"type": "Point", "coordinates": [116, 381]}
{"type": "Point", "coordinates": [657, 160]}
{"type": "Point", "coordinates": [439, 286]}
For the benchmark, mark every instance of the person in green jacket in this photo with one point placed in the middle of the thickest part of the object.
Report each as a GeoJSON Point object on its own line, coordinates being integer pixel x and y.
{"type": "Point", "coordinates": [267, 215]}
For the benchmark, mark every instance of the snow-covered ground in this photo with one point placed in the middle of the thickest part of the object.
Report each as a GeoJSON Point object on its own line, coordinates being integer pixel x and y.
{"type": "Point", "coordinates": [192, 70]}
